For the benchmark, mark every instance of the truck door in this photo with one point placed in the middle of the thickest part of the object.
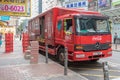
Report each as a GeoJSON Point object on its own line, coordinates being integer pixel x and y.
{"type": "Point", "coordinates": [68, 32]}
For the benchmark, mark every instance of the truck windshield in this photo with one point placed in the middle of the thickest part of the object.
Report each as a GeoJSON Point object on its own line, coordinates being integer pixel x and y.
{"type": "Point", "coordinates": [92, 25]}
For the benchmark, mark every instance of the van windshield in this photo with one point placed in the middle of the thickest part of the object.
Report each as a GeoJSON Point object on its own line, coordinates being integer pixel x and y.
{"type": "Point", "coordinates": [92, 25]}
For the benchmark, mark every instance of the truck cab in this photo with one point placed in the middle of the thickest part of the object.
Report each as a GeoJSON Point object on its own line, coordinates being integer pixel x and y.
{"type": "Point", "coordinates": [88, 39]}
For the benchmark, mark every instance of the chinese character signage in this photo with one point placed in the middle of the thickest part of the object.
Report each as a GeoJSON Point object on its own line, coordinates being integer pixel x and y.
{"type": "Point", "coordinates": [116, 3]}
{"type": "Point", "coordinates": [14, 7]}
{"type": "Point", "coordinates": [92, 5]}
{"type": "Point", "coordinates": [104, 4]}
{"type": "Point", "coordinates": [77, 4]}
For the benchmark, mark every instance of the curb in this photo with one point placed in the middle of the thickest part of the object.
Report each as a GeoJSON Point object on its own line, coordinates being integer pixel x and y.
{"type": "Point", "coordinates": [116, 50]}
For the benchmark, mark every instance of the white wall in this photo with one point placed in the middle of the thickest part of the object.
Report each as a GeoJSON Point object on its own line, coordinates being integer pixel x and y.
{"type": "Point", "coordinates": [48, 4]}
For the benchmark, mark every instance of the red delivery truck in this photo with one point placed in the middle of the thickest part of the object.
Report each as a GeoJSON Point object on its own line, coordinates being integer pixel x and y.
{"type": "Point", "coordinates": [86, 34]}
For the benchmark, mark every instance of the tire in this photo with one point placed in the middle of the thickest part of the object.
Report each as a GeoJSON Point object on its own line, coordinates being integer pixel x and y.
{"type": "Point", "coordinates": [61, 56]}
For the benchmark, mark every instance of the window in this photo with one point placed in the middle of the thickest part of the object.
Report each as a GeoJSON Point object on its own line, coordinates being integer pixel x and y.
{"type": "Point", "coordinates": [92, 25]}
{"type": "Point", "coordinates": [68, 25]}
{"type": "Point", "coordinates": [59, 26]}
{"type": "Point", "coordinates": [37, 24]}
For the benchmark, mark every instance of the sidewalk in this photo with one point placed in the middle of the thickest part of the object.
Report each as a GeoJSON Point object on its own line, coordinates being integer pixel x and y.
{"type": "Point", "coordinates": [13, 66]}
{"type": "Point", "coordinates": [116, 47]}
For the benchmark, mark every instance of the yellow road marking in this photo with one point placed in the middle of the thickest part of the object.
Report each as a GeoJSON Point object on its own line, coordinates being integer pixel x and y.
{"type": "Point", "coordinates": [98, 75]}
{"type": "Point", "coordinates": [94, 69]}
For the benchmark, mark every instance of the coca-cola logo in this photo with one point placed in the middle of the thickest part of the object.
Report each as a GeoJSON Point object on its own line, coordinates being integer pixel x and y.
{"type": "Point", "coordinates": [97, 38]}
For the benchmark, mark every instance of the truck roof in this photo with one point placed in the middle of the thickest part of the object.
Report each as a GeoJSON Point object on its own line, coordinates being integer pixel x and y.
{"type": "Point", "coordinates": [73, 11]}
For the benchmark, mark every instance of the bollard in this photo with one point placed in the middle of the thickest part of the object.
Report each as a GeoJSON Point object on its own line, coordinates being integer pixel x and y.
{"type": "Point", "coordinates": [66, 61]}
{"type": "Point", "coordinates": [105, 71]}
{"type": "Point", "coordinates": [46, 53]}
{"type": "Point", "coordinates": [115, 44]}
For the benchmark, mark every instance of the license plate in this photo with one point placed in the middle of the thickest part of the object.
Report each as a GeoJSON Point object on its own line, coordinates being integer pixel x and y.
{"type": "Point", "coordinates": [97, 53]}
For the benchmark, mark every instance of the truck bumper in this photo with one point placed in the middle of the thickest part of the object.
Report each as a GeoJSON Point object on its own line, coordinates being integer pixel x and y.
{"type": "Point", "coordinates": [85, 56]}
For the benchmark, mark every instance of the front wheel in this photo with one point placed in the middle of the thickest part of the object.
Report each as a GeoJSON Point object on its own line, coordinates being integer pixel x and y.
{"type": "Point", "coordinates": [61, 56]}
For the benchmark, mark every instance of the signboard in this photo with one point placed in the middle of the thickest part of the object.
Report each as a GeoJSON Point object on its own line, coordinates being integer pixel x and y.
{"type": "Point", "coordinates": [116, 3]}
{"type": "Point", "coordinates": [77, 4]}
{"type": "Point", "coordinates": [15, 7]}
{"type": "Point", "coordinates": [104, 4]}
{"type": "Point", "coordinates": [92, 5]}
{"type": "Point", "coordinates": [4, 18]}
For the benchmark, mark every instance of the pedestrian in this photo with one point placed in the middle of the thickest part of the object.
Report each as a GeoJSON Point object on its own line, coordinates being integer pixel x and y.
{"type": "Point", "coordinates": [0, 39]}
{"type": "Point", "coordinates": [115, 37]}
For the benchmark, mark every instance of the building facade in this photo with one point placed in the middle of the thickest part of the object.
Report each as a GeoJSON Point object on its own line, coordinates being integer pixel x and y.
{"type": "Point", "coordinates": [48, 4]}
{"type": "Point", "coordinates": [36, 7]}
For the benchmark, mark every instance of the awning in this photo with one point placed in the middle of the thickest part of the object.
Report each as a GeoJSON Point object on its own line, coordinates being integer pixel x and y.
{"type": "Point", "coordinates": [3, 24]}
{"type": "Point", "coordinates": [114, 12]}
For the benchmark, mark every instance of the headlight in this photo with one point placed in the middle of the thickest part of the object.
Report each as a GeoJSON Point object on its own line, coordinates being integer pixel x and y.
{"type": "Point", "coordinates": [80, 55]}
{"type": "Point", "coordinates": [78, 47]}
{"type": "Point", "coordinates": [110, 52]}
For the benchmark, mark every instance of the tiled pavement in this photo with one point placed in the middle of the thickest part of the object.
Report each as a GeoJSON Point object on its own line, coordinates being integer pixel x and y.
{"type": "Point", "coordinates": [14, 67]}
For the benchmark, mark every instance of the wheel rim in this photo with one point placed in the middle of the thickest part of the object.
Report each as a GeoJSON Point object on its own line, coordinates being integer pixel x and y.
{"type": "Point", "coordinates": [61, 57]}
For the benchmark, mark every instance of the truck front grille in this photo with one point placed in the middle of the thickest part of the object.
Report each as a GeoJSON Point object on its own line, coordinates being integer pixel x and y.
{"type": "Point", "coordinates": [95, 47]}
{"type": "Point", "coordinates": [96, 56]}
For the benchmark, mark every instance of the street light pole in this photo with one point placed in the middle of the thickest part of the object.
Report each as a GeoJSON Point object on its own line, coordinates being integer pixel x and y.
{"type": "Point", "coordinates": [66, 61]}
{"type": "Point", "coordinates": [46, 53]}
{"type": "Point", "coordinates": [66, 57]}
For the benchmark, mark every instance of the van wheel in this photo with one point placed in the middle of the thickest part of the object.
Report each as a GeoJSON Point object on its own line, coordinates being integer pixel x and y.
{"type": "Point", "coordinates": [61, 56]}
